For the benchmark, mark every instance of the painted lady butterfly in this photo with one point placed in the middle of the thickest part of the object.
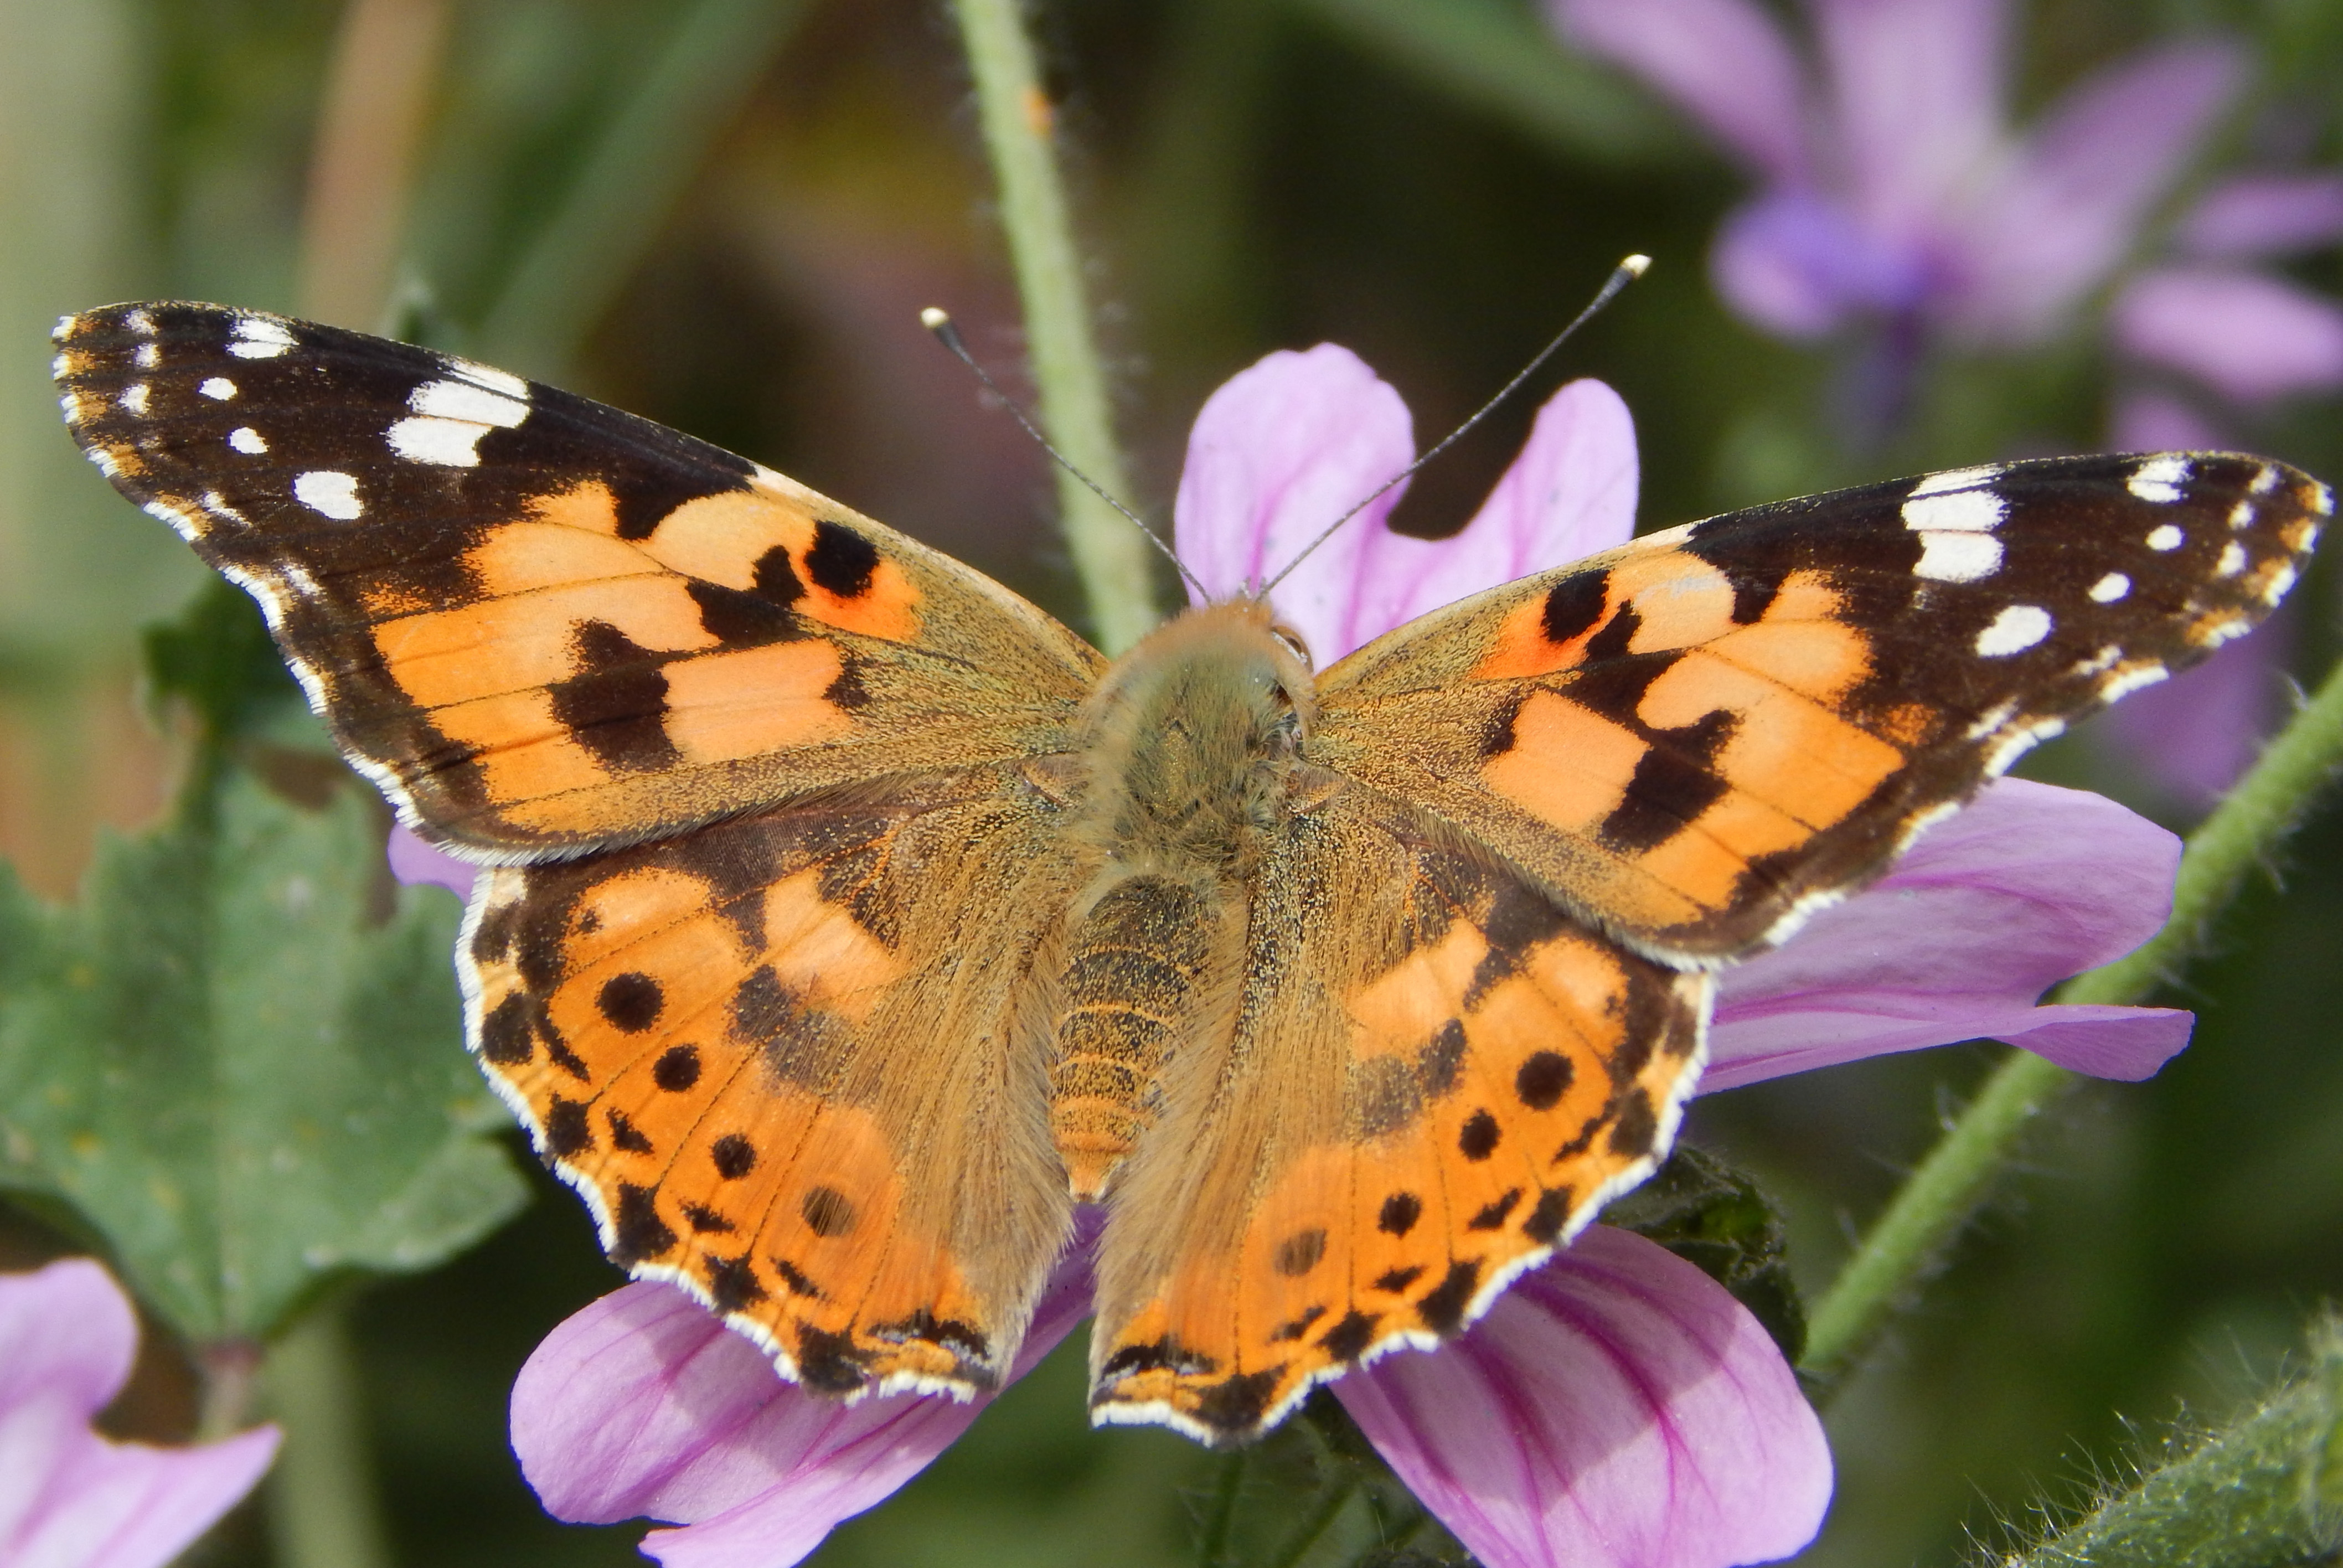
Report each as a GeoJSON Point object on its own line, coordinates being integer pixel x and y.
{"type": "Point", "coordinates": [851, 920]}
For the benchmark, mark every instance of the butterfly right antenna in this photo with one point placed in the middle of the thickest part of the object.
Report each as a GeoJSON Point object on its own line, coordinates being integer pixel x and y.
{"type": "Point", "coordinates": [941, 324]}
{"type": "Point", "coordinates": [1626, 272]}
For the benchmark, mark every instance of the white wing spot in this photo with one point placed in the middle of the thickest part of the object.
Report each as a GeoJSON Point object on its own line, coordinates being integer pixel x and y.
{"type": "Point", "coordinates": [1956, 479]}
{"type": "Point", "coordinates": [2106, 658]}
{"type": "Point", "coordinates": [2159, 477]}
{"type": "Point", "coordinates": [2110, 588]}
{"type": "Point", "coordinates": [1961, 512]}
{"type": "Point", "coordinates": [256, 338]}
{"type": "Point", "coordinates": [2265, 480]}
{"type": "Point", "coordinates": [218, 389]}
{"type": "Point", "coordinates": [246, 440]}
{"type": "Point", "coordinates": [2228, 631]}
{"type": "Point", "coordinates": [2280, 580]}
{"type": "Point", "coordinates": [2322, 498]}
{"type": "Point", "coordinates": [502, 381]}
{"type": "Point", "coordinates": [2232, 562]}
{"type": "Point", "coordinates": [2241, 515]}
{"type": "Point", "coordinates": [2124, 682]}
{"type": "Point", "coordinates": [1958, 558]}
{"type": "Point", "coordinates": [450, 418]}
{"type": "Point", "coordinates": [2018, 627]}
{"type": "Point", "coordinates": [149, 356]}
{"type": "Point", "coordinates": [184, 523]}
{"type": "Point", "coordinates": [216, 505]}
{"type": "Point", "coordinates": [2166, 537]}
{"type": "Point", "coordinates": [333, 494]}
{"type": "Point", "coordinates": [140, 322]}
{"type": "Point", "coordinates": [134, 398]}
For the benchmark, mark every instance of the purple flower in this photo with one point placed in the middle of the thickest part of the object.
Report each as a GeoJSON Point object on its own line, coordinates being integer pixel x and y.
{"type": "Point", "coordinates": [68, 1497]}
{"type": "Point", "coordinates": [1890, 188]}
{"type": "Point", "coordinates": [2210, 314]}
{"type": "Point", "coordinates": [1616, 1409]}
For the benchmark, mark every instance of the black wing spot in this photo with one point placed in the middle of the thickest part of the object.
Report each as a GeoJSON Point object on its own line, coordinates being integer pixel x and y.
{"type": "Point", "coordinates": [1300, 1253]}
{"type": "Point", "coordinates": [829, 1363]}
{"type": "Point", "coordinates": [631, 1001]}
{"type": "Point", "coordinates": [1493, 1215]}
{"type": "Point", "coordinates": [796, 1280]}
{"type": "Point", "coordinates": [1287, 1331]}
{"type": "Point", "coordinates": [1397, 1280]}
{"type": "Point", "coordinates": [626, 1135]}
{"type": "Point", "coordinates": [705, 1221]}
{"type": "Point", "coordinates": [506, 1037]}
{"type": "Point", "coordinates": [734, 1156]}
{"type": "Point", "coordinates": [1547, 1216]}
{"type": "Point", "coordinates": [616, 706]}
{"type": "Point", "coordinates": [641, 1233]}
{"type": "Point", "coordinates": [1638, 1127]}
{"type": "Point", "coordinates": [1165, 1354]}
{"type": "Point", "coordinates": [1666, 794]}
{"type": "Point", "coordinates": [1544, 1080]}
{"type": "Point", "coordinates": [1236, 1405]}
{"type": "Point", "coordinates": [733, 1283]}
{"type": "Point", "coordinates": [678, 1068]}
{"type": "Point", "coordinates": [1574, 604]}
{"type": "Point", "coordinates": [840, 561]}
{"type": "Point", "coordinates": [827, 1211]}
{"type": "Point", "coordinates": [1443, 1307]}
{"type": "Point", "coordinates": [739, 619]}
{"type": "Point", "coordinates": [776, 580]}
{"type": "Point", "coordinates": [1439, 1064]}
{"type": "Point", "coordinates": [1346, 1339]}
{"type": "Point", "coordinates": [1479, 1138]}
{"type": "Point", "coordinates": [1400, 1210]}
{"type": "Point", "coordinates": [1611, 642]}
{"type": "Point", "coordinates": [567, 1131]}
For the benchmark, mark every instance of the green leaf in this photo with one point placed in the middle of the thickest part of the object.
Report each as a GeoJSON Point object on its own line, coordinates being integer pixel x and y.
{"type": "Point", "coordinates": [2267, 1490]}
{"type": "Point", "coordinates": [239, 1056]}
{"type": "Point", "coordinates": [1708, 1214]}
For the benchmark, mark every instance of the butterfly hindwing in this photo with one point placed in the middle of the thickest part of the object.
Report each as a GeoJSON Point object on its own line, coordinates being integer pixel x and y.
{"type": "Point", "coordinates": [539, 623]}
{"type": "Point", "coordinates": [1437, 1076]}
{"type": "Point", "coordinates": [765, 1054]}
{"type": "Point", "coordinates": [1698, 737]}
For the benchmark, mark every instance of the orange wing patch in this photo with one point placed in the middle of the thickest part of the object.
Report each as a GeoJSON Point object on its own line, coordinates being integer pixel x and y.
{"type": "Point", "coordinates": [689, 1030]}
{"type": "Point", "coordinates": [1507, 1072]}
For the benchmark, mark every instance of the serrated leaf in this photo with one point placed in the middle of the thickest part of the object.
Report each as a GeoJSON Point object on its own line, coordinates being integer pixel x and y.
{"type": "Point", "coordinates": [239, 1057]}
{"type": "Point", "coordinates": [1710, 1214]}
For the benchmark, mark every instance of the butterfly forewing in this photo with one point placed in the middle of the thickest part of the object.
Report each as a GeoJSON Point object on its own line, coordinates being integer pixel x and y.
{"type": "Point", "coordinates": [1700, 736]}
{"type": "Point", "coordinates": [539, 623]}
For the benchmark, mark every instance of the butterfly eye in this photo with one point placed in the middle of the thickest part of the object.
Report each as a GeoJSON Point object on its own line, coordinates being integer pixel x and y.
{"type": "Point", "coordinates": [1293, 644]}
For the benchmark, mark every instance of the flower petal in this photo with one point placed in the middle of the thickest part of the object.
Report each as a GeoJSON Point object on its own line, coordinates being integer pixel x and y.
{"type": "Point", "coordinates": [1916, 87]}
{"type": "Point", "coordinates": [643, 1403]}
{"type": "Point", "coordinates": [2073, 199]}
{"type": "Point", "coordinates": [2264, 215]}
{"type": "Point", "coordinates": [2027, 885]}
{"type": "Point", "coordinates": [1277, 454]}
{"type": "Point", "coordinates": [69, 1498]}
{"type": "Point", "coordinates": [1616, 1409]}
{"type": "Point", "coordinates": [421, 865]}
{"type": "Point", "coordinates": [1725, 63]}
{"type": "Point", "coordinates": [1570, 492]}
{"type": "Point", "coordinates": [2249, 335]}
{"type": "Point", "coordinates": [1797, 265]}
{"type": "Point", "coordinates": [127, 1505]}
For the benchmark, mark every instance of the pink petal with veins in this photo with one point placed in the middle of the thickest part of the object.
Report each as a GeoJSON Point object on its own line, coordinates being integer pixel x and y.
{"type": "Point", "coordinates": [1615, 1409]}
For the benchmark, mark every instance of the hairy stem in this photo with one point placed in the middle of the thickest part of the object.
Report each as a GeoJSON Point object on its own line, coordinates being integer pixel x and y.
{"type": "Point", "coordinates": [1114, 562]}
{"type": "Point", "coordinates": [1909, 1240]}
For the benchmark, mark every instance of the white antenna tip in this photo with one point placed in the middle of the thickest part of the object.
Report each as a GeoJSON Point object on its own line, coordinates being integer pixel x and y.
{"type": "Point", "coordinates": [932, 318]}
{"type": "Point", "coordinates": [1636, 266]}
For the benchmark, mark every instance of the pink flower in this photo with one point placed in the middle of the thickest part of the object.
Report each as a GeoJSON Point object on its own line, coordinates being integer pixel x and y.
{"type": "Point", "coordinates": [1891, 189]}
{"type": "Point", "coordinates": [68, 1497]}
{"type": "Point", "coordinates": [1617, 1408]}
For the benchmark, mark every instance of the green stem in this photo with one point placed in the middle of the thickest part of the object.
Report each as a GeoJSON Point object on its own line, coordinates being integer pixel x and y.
{"type": "Point", "coordinates": [1935, 1202]}
{"type": "Point", "coordinates": [323, 1510]}
{"type": "Point", "coordinates": [1221, 1522]}
{"type": "Point", "coordinates": [1114, 562]}
{"type": "Point", "coordinates": [645, 155]}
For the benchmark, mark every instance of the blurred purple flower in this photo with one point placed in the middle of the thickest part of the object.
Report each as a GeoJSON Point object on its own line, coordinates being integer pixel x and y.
{"type": "Point", "coordinates": [68, 1497]}
{"type": "Point", "coordinates": [1616, 1409]}
{"type": "Point", "coordinates": [2210, 314]}
{"type": "Point", "coordinates": [1891, 190]}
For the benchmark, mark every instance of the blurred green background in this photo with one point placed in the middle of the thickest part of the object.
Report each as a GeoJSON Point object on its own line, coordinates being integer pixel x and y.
{"type": "Point", "coordinates": [726, 214]}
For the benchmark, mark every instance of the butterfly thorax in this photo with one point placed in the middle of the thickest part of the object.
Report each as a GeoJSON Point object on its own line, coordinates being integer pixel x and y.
{"type": "Point", "coordinates": [1192, 744]}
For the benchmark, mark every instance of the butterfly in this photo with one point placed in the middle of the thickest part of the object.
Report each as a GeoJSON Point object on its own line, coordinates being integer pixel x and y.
{"type": "Point", "coordinates": [847, 921]}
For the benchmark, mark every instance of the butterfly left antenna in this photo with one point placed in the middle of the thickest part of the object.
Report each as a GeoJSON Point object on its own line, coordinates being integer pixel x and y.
{"type": "Point", "coordinates": [947, 334]}
{"type": "Point", "coordinates": [1626, 272]}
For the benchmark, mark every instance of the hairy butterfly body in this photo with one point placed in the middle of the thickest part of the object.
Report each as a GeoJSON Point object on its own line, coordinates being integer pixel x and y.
{"type": "Point", "coordinates": [849, 920]}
